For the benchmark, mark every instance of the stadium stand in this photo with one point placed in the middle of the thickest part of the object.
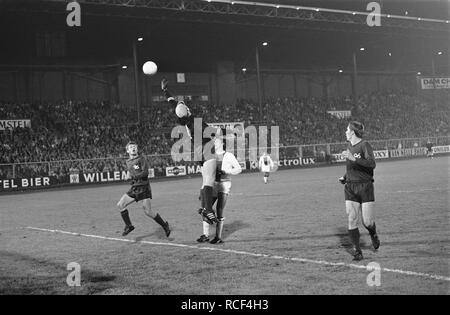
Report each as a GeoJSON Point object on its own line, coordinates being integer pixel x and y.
{"type": "Point", "coordinates": [78, 133]}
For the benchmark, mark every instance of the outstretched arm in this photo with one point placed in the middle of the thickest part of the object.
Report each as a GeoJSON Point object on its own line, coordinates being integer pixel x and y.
{"type": "Point", "coordinates": [169, 97]}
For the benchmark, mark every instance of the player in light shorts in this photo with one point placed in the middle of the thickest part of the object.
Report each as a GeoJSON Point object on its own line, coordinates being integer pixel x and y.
{"type": "Point", "coordinates": [227, 165]}
{"type": "Point", "coordinates": [265, 165]}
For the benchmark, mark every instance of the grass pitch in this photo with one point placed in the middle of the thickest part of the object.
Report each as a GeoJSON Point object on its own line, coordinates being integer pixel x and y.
{"type": "Point", "coordinates": [287, 237]}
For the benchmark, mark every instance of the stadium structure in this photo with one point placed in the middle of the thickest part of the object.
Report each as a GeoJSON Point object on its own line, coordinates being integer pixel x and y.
{"type": "Point", "coordinates": [73, 94]}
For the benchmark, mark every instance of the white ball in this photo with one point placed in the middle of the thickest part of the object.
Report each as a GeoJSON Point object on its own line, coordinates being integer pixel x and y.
{"type": "Point", "coordinates": [149, 68]}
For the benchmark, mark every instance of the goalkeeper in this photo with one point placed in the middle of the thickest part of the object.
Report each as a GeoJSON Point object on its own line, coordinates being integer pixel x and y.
{"type": "Point", "coordinates": [208, 160]}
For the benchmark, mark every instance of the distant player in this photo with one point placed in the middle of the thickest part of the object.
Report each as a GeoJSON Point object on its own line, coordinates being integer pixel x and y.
{"type": "Point", "coordinates": [186, 118]}
{"type": "Point", "coordinates": [359, 188]}
{"type": "Point", "coordinates": [265, 165]}
{"type": "Point", "coordinates": [429, 147]}
{"type": "Point", "coordinates": [227, 165]}
{"type": "Point", "coordinates": [137, 166]}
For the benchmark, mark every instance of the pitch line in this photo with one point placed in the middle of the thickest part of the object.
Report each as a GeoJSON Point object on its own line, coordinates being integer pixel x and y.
{"type": "Point", "coordinates": [238, 252]}
{"type": "Point", "coordinates": [416, 191]}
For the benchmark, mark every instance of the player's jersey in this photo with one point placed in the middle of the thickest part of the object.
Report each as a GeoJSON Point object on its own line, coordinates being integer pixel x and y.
{"type": "Point", "coordinates": [429, 146]}
{"type": "Point", "coordinates": [361, 170]}
{"type": "Point", "coordinates": [138, 168]}
{"type": "Point", "coordinates": [188, 122]}
{"type": "Point", "coordinates": [265, 161]}
{"type": "Point", "coordinates": [226, 165]}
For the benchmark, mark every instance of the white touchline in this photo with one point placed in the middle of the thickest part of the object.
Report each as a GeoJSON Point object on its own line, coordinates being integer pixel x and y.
{"type": "Point", "coordinates": [303, 260]}
{"type": "Point", "coordinates": [415, 191]}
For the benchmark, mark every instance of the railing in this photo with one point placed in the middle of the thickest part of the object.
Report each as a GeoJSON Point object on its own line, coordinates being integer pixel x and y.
{"type": "Point", "coordinates": [321, 152]}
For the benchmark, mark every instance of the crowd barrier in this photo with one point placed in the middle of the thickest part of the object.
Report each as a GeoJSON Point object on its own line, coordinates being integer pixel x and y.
{"type": "Point", "coordinates": [77, 177]}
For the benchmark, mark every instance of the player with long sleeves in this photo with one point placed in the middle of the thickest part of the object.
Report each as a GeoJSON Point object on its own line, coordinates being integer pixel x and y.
{"type": "Point", "coordinates": [359, 188]}
{"type": "Point", "coordinates": [208, 161]}
{"type": "Point", "coordinates": [140, 190]}
{"type": "Point", "coordinates": [265, 165]}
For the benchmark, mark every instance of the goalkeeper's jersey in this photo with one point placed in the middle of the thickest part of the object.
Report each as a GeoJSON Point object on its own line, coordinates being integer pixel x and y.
{"type": "Point", "coordinates": [188, 122]}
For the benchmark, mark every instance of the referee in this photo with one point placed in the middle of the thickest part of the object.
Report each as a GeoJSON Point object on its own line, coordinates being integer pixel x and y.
{"type": "Point", "coordinates": [359, 190]}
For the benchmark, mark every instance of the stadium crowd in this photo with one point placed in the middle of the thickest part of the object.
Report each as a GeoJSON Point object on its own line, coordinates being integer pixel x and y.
{"type": "Point", "coordinates": [90, 136]}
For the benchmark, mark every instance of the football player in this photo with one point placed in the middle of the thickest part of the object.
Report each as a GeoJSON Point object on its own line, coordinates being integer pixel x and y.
{"type": "Point", "coordinates": [359, 188]}
{"type": "Point", "coordinates": [137, 166]}
{"type": "Point", "coordinates": [265, 165]}
{"type": "Point", "coordinates": [227, 165]}
{"type": "Point", "coordinates": [186, 118]}
{"type": "Point", "coordinates": [429, 147]}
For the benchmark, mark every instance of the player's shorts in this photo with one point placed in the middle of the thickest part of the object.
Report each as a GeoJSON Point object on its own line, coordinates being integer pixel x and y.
{"type": "Point", "coordinates": [359, 192]}
{"type": "Point", "coordinates": [221, 187]}
{"type": "Point", "coordinates": [140, 192]}
{"type": "Point", "coordinates": [265, 168]}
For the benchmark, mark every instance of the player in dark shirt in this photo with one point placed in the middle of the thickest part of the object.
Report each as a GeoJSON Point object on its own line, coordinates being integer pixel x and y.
{"type": "Point", "coordinates": [137, 166]}
{"type": "Point", "coordinates": [429, 146]}
{"type": "Point", "coordinates": [204, 150]}
{"type": "Point", "coordinates": [359, 188]}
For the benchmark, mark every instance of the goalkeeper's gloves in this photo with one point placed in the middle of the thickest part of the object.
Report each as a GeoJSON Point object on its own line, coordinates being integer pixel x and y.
{"type": "Point", "coordinates": [342, 180]}
{"type": "Point", "coordinates": [164, 84]}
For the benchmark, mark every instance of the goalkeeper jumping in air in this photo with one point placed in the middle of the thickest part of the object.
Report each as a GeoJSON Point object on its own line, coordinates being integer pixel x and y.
{"type": "Point", "coordinates": [208, 160]}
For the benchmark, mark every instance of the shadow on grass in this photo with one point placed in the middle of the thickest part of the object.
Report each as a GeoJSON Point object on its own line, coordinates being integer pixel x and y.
{"type": "Point", "coordinates": [232, 227]}
{"type": "Point", "coordinates": [159, 234]}
{"type": "Point", "coordinates": [344, 240]}
{"type": "Point", "coordinates": [25, 275]}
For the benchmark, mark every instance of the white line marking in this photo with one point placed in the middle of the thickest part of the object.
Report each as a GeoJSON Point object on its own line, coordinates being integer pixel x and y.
{"type": "Point", "coordinates": [416, 191]}
{"type": "Point", "coordinates": [303, 260]}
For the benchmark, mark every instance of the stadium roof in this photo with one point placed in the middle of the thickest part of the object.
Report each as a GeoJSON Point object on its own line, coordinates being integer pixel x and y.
{"type": "Point", "coordinates": [189, 35]}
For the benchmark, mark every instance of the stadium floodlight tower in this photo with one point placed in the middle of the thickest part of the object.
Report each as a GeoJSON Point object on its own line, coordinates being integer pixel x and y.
{"type": "Point", "coordinates": [258, 76]}
{"type": "Point", "coordinates": [136, 78]}
{"type": "Point", "coordinates": [433, 73]}
{"type": "Point", "coordinates": [355, 76]}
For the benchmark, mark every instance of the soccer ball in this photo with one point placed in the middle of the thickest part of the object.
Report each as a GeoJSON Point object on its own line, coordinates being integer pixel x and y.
{"type": "Point", "coordinates": [149, 68]}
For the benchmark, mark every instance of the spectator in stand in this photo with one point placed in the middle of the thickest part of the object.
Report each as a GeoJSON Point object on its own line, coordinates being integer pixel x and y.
{"type": "Point", "coordinates": [93, 131]}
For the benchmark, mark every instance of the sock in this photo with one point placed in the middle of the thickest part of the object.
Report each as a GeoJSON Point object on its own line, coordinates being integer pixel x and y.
{"type": "Point", "coordinates": [372, 229]}
{"type": "Point", "coordinates": [219, 228]}
{"type": "Point", "coordinates": [159, 220]}
{"type": "Point", "coordinates": [202, 198]}
{"type": "Point", "coordinates": [205, 228]}
{"type": "Point", "coordinates": [126, 217]}
{"type": "Point", "coordinates": [354, 238]}
{"type": "Point", "coordinates": [208, 197]}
